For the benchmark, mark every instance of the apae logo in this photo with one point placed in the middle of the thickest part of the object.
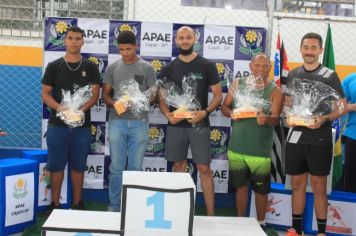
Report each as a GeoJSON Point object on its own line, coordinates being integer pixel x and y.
{"type": "Point", "coordinates": [217, 41]}
{"type": "Point", "coordinates": [157, 65]}
{"type": "Point", "coordinates": [156, 136]}
{"type": "Point", "coordinates": [99, 62]}
{"type": "Point", "coordinates": [122, 28]}
{"type": "Point", "coordinates": [225, 73]}
{"type": "Point", "coordinates": [154, 39]}
{"type": "Point", "coordinates": [20, 190]}
{"type": "Point", "coordinates": [218, 139]}
{"type": "Point", "coordinates": [95, 34]}
{"type": "Point", "coordinates": [251, 43]}
{"type": "Point", "coordinates": [57, 33]}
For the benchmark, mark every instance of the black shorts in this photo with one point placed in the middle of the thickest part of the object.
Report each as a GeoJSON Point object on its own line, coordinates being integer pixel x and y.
{"type": "Point", "coordinates": [312, 159]}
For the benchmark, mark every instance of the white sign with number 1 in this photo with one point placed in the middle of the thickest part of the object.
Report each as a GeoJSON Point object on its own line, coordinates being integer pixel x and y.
{"type": "Point", "coordinates": [157, 201]}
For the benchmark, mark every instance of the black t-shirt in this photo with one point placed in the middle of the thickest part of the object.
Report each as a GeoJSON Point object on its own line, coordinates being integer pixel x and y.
{"type": "Point", "coordinates": [204, 72]}
{"type": "Point", "coordinates": [322, 136]}
{"type": "Point", "coordinates": [58, 76]}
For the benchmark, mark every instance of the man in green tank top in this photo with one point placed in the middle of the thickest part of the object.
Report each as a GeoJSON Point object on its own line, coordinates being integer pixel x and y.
{"type": "Point", "coordinates": [251, 141]}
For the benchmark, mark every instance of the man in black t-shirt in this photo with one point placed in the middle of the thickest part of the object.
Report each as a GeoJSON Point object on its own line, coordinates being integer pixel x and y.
{"type": "Point", "coordinates": [67, 144]}
{"type": "Point", "coordinates": [194, 132]}
{"type": "Point", "coordinates": [309, 150]}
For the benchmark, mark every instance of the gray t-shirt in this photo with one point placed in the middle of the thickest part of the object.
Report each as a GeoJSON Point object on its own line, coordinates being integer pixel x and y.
{"type": "Point", "coordinates": [142, 71]}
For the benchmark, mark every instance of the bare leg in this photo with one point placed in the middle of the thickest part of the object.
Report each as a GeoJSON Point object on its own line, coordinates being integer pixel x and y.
{"type": "Point", "coordinates": [207, 184]}
{"type": "Point", "coordinates": [318, 184]}
{"type": "Point", "coordinates": [56, 185]}
{"type": "Point", "coordinates": [261, 205]}
{"type": "Point", "coordinates": [241, 200]}
{"type": "Point", "coordinates": [299, 183]}
{"type": "Point", "coordinates": [179, 166]}
{"type": "Point", "coordinates": [77, 185]}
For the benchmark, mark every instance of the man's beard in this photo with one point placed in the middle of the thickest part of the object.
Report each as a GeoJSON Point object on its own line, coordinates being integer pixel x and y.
{"type": "Point", "coordinates": [185, 52]}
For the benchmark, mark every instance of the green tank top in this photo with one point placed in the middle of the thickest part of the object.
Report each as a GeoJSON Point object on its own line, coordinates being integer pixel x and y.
{"type": "Point", "coordinates": [249, 138]}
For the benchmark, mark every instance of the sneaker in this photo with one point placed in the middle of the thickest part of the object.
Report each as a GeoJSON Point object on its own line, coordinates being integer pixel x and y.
{"type": "Point", "coordinates": [79, 206]}
{"type": "Point", "coordinates": [292, 232]}
{"type": "Point", "coordinates": [264, 228]}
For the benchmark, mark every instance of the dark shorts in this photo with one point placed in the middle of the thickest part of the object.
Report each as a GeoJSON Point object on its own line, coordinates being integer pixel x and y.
{"type": "Point", "coordinates": [67, 145]}
{"type": "Point", "coordinates": [312, 159]}
{"type": "Point", "coordinates": [179, 138]}
{"type": "Point", "coordinates": [245, 170]}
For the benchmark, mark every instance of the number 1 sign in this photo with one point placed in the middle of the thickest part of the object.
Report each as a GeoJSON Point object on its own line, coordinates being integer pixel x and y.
{"type": "Point", "coordinates": [157, 202]}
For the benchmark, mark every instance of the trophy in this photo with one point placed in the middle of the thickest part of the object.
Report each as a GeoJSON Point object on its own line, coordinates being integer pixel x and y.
{"type": "Point", "coordinates": [133, 99]}
{"type": "Point", "coordinates": [308, 100]}
{"type": "Point", "coordinates": [247, 93]}
{"type": "Point", "coordinates": [69, 110]}
{"type": "Point", "coordinates": [182, 99]}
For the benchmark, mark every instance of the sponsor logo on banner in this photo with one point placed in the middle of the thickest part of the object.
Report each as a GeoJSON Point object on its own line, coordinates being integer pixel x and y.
{"type": "Point", "coordinates": [199, 34]}
{"type": "Point", "coordinates": [157, 62]}
{"type": "Point", "coordinates": [101, 60]}
{"type": "Point", "coordinates": [156, 141]}
{"type": "Point", "coordinates": [225, 70]}
{"type": "Point", "coordinates": [55, 31]}
{"type": "Point", "coordinates": [249, 41]}
{"type": "Point", "coordinates": [219, 42]}
{"type": "Point", "coordinates": [94, 172]}
{"type": "Point", "coordinates": [98, 138]}
{"type": "Point", "coordinates": [156, 39]}
{"type": "Point", "coordinates": [116, 27]}
{"type": "Point", "coordinates": [20, 190]}
{"type": "Point", "coordinates": [96, 35]}
{"type": "Point", "coordinates": [219, 137]}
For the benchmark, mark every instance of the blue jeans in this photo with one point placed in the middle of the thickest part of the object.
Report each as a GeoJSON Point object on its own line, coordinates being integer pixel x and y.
{"type": "Point", "coordinates": [128, 139]}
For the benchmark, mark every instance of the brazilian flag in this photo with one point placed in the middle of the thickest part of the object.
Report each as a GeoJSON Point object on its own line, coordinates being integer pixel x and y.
{"type": "Point", "coordinates": [329, 61]}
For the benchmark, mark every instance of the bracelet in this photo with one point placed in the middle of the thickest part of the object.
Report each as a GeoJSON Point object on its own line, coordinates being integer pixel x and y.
{"type": "Point", "coordinates": [207, 112]}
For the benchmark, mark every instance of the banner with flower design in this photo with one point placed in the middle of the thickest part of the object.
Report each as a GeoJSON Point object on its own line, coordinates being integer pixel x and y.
{"type": "Point", "coordinates": [229, 47]}
{"type": "Point", "coordinates": [249, 41]}
{"type": "Point", "coordinates": [116, 27]}
{"type": "Point", "coordinates": [55, 30]}
{"type": "Point", "coordinates": [101, 60]}
{"type": "Point", "coordinates": [226, 73]}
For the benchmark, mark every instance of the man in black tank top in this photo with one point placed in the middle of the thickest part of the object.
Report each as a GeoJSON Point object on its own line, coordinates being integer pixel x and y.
{"type": "Point", "coordinates": [309, 149]}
